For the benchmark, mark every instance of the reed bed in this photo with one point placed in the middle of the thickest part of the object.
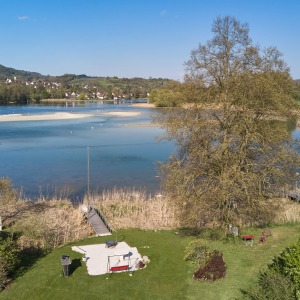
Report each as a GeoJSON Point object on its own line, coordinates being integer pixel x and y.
{"type": "Point", "coordinates": [131, 208]}
{"type": "Point", "coordinates": [50, 224]}
{"type": "Point", "coordinates": [288, 212]}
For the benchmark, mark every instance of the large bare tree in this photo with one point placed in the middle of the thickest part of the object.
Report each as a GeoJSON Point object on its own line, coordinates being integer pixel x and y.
{"type": "Point", "coordinates": [234, 148]}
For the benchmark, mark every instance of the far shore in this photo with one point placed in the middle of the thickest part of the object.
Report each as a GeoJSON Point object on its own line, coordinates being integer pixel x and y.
{"type": "Point", "coordinates": [146, 105]}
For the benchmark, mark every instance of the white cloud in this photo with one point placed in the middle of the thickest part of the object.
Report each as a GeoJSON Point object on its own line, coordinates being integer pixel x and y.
{"type": "Point", "coordinates": [23, 18]}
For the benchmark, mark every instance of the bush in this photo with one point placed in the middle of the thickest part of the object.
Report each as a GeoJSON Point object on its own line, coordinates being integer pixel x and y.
{"type": "Point", "coordinates": [214, 269]}
{"type": "Point", "coordinates": [272, 285]}
{"type": "Point", "coordinates": [287, 263]}
{"type": "Point", "coordinates": [9, 259]}
{"type": "Point", "coordinates": [9, 253]}
{"type": "Point", "coordinates": [197, 252]}
{"type": "Point", "coordinates": [3, 274]}
{"type": "Point", "coordinates": [282, 278]}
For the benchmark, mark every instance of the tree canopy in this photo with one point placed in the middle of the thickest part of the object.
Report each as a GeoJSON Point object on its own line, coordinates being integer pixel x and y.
{"type": "Point", "coordinates": [234, 147]}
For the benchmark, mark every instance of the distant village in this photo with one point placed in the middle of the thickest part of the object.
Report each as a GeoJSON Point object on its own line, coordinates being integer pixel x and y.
{"type": "Point", "coordinates": [75, 91]}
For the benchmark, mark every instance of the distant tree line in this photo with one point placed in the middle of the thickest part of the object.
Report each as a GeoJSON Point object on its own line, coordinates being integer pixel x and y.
{"type": "Point", "coordinates": [17, 93]}
{"type": "Point", "coordinates": [23, 90]}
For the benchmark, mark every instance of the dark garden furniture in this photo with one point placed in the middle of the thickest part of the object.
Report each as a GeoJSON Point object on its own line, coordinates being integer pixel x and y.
{"type": "Point", "coordinates": [111, 244]}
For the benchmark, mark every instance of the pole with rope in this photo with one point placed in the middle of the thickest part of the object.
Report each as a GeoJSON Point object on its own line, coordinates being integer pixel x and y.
{"type": "Point", "coordinates": [88, 176]}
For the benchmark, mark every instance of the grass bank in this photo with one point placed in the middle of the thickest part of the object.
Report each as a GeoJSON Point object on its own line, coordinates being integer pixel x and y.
{"type": "Point", "coordinates": [167, 276]}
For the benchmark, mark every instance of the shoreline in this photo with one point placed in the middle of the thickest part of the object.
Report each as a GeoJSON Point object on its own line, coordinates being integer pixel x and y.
{"type": "Point", "coordinates": [145, 105]}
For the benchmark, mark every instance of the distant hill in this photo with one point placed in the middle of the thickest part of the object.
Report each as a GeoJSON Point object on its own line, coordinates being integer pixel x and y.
{"type": "Point", "coordinates": [6, 72]}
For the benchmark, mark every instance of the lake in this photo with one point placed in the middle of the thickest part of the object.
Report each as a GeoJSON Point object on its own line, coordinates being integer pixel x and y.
{"type": "Point", "coordinates": [50, 157]}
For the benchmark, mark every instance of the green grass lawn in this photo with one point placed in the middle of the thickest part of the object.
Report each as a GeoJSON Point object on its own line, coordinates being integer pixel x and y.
{"type": "Point", "coordinates": [167, 276]}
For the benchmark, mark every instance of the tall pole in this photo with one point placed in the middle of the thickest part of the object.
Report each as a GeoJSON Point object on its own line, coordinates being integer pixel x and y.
{"type": "Point", "coordinates": [88, 176]}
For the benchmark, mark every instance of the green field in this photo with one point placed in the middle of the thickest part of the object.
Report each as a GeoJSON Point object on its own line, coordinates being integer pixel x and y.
{"type": "Point", "coordinates": [167, 276]}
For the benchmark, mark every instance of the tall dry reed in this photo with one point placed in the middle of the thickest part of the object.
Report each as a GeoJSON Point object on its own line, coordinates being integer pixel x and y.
{"type": "Point", "coordinates": [289, 211]}
{"type": "Point", "coordinates": [131, 208]}
{"type": "Point", "coordinates": [49, 224]}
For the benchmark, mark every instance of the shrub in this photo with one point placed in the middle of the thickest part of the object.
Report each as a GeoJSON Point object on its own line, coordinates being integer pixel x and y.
{"type": "Point", "coordinates": [287, 263]}
{"type": "Point", "coordinates": [197, 252]}
{"type": "Point", "coordinates": [9, 253]}
{"type": "Point", "coordinates": [282, 278]}
{"type": "Point", "coordinates": [272, 285]}
{"type": "Point", "coordinates": [3, 274]}
{"type": "Point", "coordinates": [214, 269]}
{"type": "Point", "coordinates": [9, 258]}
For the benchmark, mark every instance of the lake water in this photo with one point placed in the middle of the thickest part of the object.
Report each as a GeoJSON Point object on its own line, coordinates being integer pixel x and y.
{"type": "Point", "coordinates": [50, 157]}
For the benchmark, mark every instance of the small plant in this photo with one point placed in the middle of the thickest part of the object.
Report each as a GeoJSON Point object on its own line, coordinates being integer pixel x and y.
{"type": "Point", "coordinates": [197, 252]}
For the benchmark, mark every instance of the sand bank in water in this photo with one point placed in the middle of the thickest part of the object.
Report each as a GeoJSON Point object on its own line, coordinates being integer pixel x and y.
{"type": "Point", "coordinates": [142, 125]}
{"type": "Point", "coordinates": [123, 113]}
{"type": "Point", "coordinates": [145, 105]}
{"type": "Point", "coordinates": [42, 117]}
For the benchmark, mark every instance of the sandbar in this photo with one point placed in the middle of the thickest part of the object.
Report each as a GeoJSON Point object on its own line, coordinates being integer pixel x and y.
{"type": "Point", "coordinates": [142, 125]}
{"type": "Point", "coordinates": [146, 105]}
{"type": "Point", "coordinates": [123, 113]}
{"type": "Point", "coordinates": [42, 117]}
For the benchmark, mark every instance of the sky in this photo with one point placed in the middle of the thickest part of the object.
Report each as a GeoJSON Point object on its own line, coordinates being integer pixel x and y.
{"type": "Point", "coordinates": [134, 38]}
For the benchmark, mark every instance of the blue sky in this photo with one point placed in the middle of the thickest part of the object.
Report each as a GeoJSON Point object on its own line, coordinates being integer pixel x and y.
{"type": "Point", "coordinates": [133, 38]}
